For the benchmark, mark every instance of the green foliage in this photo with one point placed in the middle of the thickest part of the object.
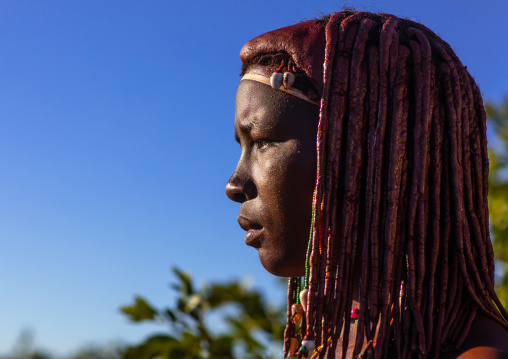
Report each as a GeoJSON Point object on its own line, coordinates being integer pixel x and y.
{"type": "Point", "coordinates": [96, 352]}
{"type": "Point", "coordinates": [105, 351]}
{"type": "Point", "coordinates": [24, 348]}
{"type": "Point", "coordinates": [497, 117]}
{"type": "Point", "coordinates": [139, 311]}
{"type": "Point", "coordinates": [251, 326]}
{"type": "Point", "coordinates": [36, 354]}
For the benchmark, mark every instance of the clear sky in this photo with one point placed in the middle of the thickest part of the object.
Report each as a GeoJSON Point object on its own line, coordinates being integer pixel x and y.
{"type": "Point", "coordinates": [116, 141]}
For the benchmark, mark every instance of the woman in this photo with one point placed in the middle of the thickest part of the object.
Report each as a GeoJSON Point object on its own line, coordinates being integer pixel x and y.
{"type": "Point", "coordinates": [399, 262]}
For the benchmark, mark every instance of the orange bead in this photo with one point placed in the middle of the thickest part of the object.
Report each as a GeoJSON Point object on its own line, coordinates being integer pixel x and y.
{"type": "Point", "coordinates": [293, 346]}
{"type": "Point", "coordinates": [296, 313]}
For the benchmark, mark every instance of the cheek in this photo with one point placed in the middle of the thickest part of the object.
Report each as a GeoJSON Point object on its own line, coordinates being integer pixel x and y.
{"type": "Point", "coordinates": [285, 183]}
{"type": "Point", "coordinates": [287, 200]}
{"type": "Point", "coordinates": [300, 172]}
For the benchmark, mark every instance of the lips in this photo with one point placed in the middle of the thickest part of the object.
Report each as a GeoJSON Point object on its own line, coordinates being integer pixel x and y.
{"type": "Point", "coordinates": [254, 231]}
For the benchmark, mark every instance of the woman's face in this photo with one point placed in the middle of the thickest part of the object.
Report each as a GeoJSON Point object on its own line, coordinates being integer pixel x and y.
{"type": "Point", "coordinates": [275, 175]}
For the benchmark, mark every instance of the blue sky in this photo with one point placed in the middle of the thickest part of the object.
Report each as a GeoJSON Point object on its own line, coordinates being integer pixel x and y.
{"type": "Point", "coordinates": [116, 123]}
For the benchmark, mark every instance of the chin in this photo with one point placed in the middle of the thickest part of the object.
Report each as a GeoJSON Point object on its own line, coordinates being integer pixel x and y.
{"type": "Point", "coordinates": [280, 265]}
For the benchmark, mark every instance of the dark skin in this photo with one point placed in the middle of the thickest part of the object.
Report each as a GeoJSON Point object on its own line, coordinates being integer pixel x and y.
{"type": "Point", "coordinates": [486, 339]}
{"type": "Point", "coordinates": [274, 181]}
{"type": "Point", "coordinates": [275, 175]}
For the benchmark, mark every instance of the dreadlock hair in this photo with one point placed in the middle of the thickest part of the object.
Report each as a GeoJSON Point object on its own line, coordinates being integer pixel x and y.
{"type": "Point", "coordinates": [401, 187]}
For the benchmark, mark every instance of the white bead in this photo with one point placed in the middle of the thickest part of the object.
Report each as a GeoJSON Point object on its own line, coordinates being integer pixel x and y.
{"type": "Point", "coordinates": [289, 79]}
{"type": "Point", "coordinates": [276, 80]}
{"type": "Point", "coordinates": [304, 296]}
{"type": "Point", "coordinates": [309, 345]}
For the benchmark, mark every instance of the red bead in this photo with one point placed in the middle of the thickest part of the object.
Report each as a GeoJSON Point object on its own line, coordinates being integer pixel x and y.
{"type": "Point", "coordinates": [354, 313]}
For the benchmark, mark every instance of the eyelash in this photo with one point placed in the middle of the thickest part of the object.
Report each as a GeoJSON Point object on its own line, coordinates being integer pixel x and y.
{"type": "Point", "coordinates": [261, 143]}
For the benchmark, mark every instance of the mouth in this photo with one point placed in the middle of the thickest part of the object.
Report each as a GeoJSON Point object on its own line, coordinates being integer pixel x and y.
{"type": "Point", "coordinates": [254, 231]}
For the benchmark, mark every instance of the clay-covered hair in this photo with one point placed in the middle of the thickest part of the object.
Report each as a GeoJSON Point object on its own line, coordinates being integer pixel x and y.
{"type": "Point", "coordinates": [401, 189]}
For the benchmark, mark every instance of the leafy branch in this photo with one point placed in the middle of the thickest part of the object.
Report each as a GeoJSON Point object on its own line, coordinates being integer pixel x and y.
{"type": "Point", "coordinates": [497, 119]}
{"type": "Point", "coordinates": [251, 326]}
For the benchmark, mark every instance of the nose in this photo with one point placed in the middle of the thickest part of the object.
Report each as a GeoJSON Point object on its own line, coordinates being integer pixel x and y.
{"type": "Point", "coordinates": [240, 188]}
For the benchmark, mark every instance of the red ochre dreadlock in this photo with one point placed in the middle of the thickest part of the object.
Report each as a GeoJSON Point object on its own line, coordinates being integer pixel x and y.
{"type": "Point", "coordinates": [402, 187]}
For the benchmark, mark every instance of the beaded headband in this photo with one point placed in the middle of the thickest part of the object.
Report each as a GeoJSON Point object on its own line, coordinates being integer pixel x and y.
{"type": "Point", "coordinates": [267, 81]}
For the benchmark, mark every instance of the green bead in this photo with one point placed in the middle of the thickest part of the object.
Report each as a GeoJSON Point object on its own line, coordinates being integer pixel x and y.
{"type": "Point", "coordinates": [303, 349]}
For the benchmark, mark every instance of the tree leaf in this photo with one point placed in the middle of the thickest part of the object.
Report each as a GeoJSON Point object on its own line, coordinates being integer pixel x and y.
{"type": "Point", "coordinates": [139, 311]}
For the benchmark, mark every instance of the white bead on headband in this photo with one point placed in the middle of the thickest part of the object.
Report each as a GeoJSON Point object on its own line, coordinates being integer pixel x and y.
{"type": "Point", "coordinates": [278, 79]}
{"type": "Point", "coordinates": [283, 79]}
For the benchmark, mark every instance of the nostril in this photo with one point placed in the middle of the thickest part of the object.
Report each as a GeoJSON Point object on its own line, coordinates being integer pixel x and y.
{"type": "Point", "coordinates": [239, 197]}
{"type": "Point", "coordinates": [240, 190]}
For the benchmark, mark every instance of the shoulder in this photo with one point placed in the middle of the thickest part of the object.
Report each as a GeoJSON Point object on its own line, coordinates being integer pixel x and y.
{"type": "Point", "coordinates": [484, 353]}
{"type": "Point", "coordinates": [486, 339]}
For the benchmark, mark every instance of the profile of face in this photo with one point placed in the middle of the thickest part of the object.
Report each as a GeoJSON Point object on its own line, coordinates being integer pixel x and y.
{"type": "Point", "coordinates": [275, 175]}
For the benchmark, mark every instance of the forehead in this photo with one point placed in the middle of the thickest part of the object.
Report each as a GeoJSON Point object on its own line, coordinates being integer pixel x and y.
{"type": "Point", "coordinates": [259, 105]}
{"type": "Point", "coordinates": [253, 97]}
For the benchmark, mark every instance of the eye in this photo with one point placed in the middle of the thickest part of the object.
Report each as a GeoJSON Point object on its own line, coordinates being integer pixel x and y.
{"type": "Point", "coordinates": [260, 144]}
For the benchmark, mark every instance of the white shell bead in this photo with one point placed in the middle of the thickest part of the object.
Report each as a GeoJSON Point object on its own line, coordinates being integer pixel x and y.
{"type": "Point", "coordinates": [304, 296]}
{"type": "Point", "coordinates": [276, 80]}
{"type": "Point", "coordinates": [309, 345]}
{"type": "Point", "coordinates": [289, 79]}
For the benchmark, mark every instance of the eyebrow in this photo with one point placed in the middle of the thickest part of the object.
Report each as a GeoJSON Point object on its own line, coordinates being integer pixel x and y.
{"type": "Point", "coordinates": [244, 128]}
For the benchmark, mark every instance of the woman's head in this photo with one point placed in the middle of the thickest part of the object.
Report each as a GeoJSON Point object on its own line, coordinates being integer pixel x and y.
{"type": "Point", "coordinates": [275, 175]}
{"type": "Point", "coordinates": [400, 195]}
